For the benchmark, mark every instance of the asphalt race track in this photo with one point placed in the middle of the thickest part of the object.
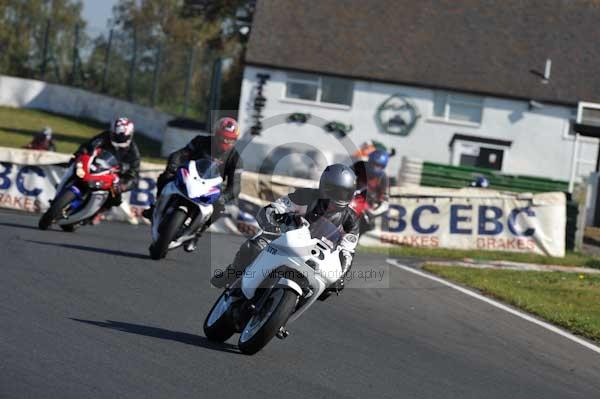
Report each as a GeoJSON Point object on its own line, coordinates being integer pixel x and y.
{"type": "Point", "coordinates": [89, 315]}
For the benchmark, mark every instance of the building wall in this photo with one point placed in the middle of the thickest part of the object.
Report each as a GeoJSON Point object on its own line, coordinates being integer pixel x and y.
{"type": "Point", "coordinates": [28, 93]}
{"type": "Point", "coordinates": [541, 145]}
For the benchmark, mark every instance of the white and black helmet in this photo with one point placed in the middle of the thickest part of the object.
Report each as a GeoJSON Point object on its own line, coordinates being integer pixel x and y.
{"type": "Point", "coordinates": [121, 133]}
{"type": "Point", "coordinates": [338, 183]}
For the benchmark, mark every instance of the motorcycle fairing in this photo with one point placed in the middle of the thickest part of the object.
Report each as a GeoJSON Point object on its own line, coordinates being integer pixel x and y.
{"type": "Point", "coordinates": [292, 250]}
{"type": "Point", "coordinates": [172, 194]}
{"type": "Point", "coordinates": [91, 207]}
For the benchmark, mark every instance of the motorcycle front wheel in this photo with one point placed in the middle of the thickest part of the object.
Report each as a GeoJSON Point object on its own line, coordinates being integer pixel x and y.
{"type": "Point", "coordinates": [167, 232]}
{"type": "Point", "coordinates": [267, 320]}
{"type": "Point", "coordinates": [56, 209]}
{"type": "Point", "coordinates": [218, 325]}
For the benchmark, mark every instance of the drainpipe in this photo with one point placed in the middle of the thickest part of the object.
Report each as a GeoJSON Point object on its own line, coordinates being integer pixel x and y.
{"type": "Point", "coordinates": [574, 163]}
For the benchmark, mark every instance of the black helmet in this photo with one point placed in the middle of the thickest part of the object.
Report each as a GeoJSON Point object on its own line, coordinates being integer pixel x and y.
{"type": "Point", "coordinates": [338, 183]}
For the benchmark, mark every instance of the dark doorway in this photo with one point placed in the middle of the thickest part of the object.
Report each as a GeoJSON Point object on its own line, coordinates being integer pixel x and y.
{"type": "Point", "coordinates": [490, 158]}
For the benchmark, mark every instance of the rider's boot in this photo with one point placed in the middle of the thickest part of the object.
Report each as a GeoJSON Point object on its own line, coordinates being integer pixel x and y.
{"type": "Point", "coordinates": [282, 333]}
{"type": "Point", "coordinates": [148, 212]}
{"type": "Point", "coordinates": [191, 245]}
{"type": "Point", "coordinates": [97, 219]}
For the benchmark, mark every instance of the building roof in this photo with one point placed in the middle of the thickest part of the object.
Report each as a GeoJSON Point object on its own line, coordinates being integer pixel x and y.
{"type": "Point", "coordinates": [480, 46]}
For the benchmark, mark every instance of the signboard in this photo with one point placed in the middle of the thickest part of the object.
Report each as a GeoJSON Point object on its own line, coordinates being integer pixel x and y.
{"type": "Point", "coordinates": [418, 216]}
{"type": "Point", "coordinates": [28, 181]}
{"type": "Point", "coordinates": [535, 225]}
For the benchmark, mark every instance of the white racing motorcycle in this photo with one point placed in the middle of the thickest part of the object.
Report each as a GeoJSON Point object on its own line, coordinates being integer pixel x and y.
{"type": "Point", "coordinates": [184, 206]}
{"type": "Point", "coordinates": [284, 280]}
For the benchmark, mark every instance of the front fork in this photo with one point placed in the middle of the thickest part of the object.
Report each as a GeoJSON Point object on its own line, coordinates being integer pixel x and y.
{"type": "Point", "coordinates": [243, 309]}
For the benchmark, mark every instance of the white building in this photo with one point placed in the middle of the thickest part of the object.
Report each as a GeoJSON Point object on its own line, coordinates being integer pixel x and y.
{"type": "Point", "coordinates": [434, 86]}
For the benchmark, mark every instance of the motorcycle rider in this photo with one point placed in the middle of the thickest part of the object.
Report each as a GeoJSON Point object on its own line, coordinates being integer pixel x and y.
{"type": "Point", "coordinates": [331, 201]}
{"type": "Point", "coordinates": [372, 183]}
{"type": "Point", "coordinates": [118, 140]}
{"type": "Point", "coordinates": [220, 148]}
{"type": "Point", "coordinates": [42, 141]}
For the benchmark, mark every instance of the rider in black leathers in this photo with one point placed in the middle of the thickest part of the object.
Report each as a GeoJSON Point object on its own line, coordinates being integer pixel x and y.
{"type": "Point", "coordinates": [330, 201]}
{"type": "Point", "coordinates": [220, 148]}
{"type": "Point", "coordinates": [118, 141]}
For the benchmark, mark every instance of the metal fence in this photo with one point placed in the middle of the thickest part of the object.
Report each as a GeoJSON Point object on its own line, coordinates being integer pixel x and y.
{"type": "Point", "coordinates": [172, 77]}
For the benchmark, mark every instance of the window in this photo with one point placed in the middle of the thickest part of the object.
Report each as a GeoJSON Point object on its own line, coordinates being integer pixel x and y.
{"type": "Point", "coordinates": [327, 90]}
{"type": "Point", "coordinates": [481, 152]}
{"type": "Point", "coordinates": [481, 157]}
{"type": "Point", "coordinates": [457, 107]}
{"type": "Point", "coordinates": [336, 91]}
{"type": "Point", "coordinates": [302, 86]}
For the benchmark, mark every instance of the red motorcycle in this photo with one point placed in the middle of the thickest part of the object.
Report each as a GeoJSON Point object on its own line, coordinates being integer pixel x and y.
{"type": "Point", "coordinates": [366, 213]}
{"type": "Point", "coordinates": [83, 191]}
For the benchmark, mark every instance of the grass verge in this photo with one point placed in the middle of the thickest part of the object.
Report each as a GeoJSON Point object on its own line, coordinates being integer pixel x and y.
{"type": "Point", "coordinates": [569, 300]}
{"type": "Point", "coordinates": [19, 125]}
{"type": "Point", "coordinates": [570, 259]}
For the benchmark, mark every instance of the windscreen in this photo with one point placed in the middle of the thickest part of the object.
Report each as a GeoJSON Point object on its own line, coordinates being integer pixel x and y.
{"type": "Point", "coordinates": [207, 169]}
{"type": "Point", "coordinates": [103, 162]}
{"type": "Point", "coordinates": [322, 229]}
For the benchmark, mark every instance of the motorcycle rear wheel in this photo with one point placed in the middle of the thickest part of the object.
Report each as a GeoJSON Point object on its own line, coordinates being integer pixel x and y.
{"type": "Point", "coordinates": [263, 326]}
{"type": "Point", "coordinates": [56, 209]}
{"type": "Point", "coordinates": [167, 232]}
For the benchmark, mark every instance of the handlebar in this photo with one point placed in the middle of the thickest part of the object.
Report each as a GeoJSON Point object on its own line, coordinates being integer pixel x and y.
{"type": "Point", "coordinates": [289, 219]}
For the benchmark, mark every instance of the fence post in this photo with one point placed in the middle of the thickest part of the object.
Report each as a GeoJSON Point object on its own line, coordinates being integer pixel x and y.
{"type": "Point", "coordinates": [188, 80]}
{"type": "Point", "coordinates": [75, 55]}
{"type": "Point", "coordinates": [156, 75]}
{"type": "Point", "coordinates": [130, 84]}
{"type": "Point", "coordinates": [107, 61]}
{"type": "Point", "coordinates": [45, 50]}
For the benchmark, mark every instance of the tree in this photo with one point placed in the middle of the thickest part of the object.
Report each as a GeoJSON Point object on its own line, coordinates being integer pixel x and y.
{"type": "Point", "coordinates": [23, 29]}
{"type": "Point", "coordinates": [184, 31]}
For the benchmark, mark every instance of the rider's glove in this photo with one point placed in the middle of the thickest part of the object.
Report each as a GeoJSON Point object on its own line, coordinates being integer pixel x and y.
{"type": "Point", "coordinates": [274, 210]}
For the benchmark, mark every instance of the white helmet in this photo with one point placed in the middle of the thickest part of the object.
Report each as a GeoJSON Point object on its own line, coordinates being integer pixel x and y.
{"type": "Point", "coordinates": [121, 133]}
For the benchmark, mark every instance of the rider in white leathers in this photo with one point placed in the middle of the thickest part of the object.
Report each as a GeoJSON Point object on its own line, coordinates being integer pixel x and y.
{"type": "Point", "coordinates": [331, 200]}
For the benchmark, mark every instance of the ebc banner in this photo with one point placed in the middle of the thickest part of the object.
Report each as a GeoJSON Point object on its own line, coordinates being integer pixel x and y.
{"type": "Point", "coordinates": [504, 224]}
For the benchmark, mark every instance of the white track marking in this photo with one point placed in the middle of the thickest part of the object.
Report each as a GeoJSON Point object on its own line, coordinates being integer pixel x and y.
{"type": "Point", "coordinates": [499, 305]}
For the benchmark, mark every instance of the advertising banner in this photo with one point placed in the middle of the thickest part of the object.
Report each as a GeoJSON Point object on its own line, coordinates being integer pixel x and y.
{"type": "Point", "coordinates": [31, 187]}
{"type": "Point", "coordinates": [417, 216]}
{"type": "Point", "coordinates": [28, 181]}
{"type": "Point", "coordinates": [535, 225]}
{"type": "Point", "coordinates": [432, 217]}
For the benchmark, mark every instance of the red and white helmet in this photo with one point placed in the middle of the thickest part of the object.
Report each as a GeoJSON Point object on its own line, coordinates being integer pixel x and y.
{"type": "Point", "coordinates": [227, 132]}
{"type": "Point", "coordinates": [121, 133]}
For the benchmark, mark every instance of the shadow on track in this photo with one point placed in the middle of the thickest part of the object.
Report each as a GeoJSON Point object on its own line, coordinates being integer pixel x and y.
{"type": "Point", "coordinates": [92, 249]}
{"type": "Point", "coordinates": [155, 332]}
{"type": "Point", "coordinates": [19, 226]}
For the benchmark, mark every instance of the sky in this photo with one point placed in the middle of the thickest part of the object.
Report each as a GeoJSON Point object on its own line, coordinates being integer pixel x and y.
{"type": "Point", "coordinates": [97, 13]}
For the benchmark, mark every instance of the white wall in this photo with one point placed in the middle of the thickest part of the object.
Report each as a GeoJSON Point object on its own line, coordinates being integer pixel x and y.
{"type": "Point", "coordinates": [27, 93]}
{"type": "Point", "coordinates": [540, 143]}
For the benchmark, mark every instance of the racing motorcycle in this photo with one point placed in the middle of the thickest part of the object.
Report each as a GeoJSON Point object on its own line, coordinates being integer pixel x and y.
{"type": "Point", "coordinates": [365, 212]}
{"type": "Point", "coordinates": [286, 278]}
{"type": "Point", "coordinates": [185, 205]}
{"type": "Point", "coordinates": [83, 191]}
